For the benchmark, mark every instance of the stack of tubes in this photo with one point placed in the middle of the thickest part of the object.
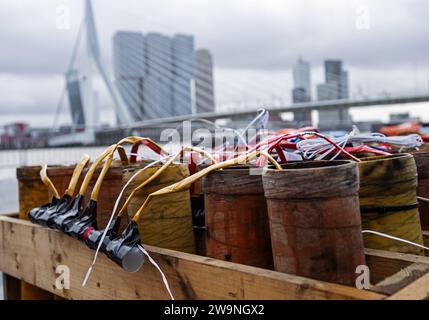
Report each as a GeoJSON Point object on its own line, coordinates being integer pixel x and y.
{"type": "Point", "coordinates": [67, 213]}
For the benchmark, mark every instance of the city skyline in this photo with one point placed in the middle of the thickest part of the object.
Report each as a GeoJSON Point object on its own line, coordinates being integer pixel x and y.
{"type": "Point", "coordinates": [386, 58]}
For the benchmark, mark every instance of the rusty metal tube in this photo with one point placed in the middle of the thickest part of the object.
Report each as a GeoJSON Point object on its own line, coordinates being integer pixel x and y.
{"type": "Point", "coordinates": [315, 224]}
{"type": "Point", "coordinates": [236, 217]}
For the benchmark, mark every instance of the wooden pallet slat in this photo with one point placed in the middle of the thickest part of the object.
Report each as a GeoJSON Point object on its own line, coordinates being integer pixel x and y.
{"type": "Point", "coordinates": [11, 288]}
{"type": "Point", "coordinates": [31, 253]}
{"type": "Point", "coordinates": [383, 264]}
{"type": "Point", "coordinates": [401, 279]}
{"type": "Point", "coordinates": [417, 290]}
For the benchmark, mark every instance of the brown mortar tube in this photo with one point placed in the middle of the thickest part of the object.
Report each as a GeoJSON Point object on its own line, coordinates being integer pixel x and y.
{"type": "Point", "coordinates": [236, 217]}
{"type": "Point", "coordinates": [315, 222]}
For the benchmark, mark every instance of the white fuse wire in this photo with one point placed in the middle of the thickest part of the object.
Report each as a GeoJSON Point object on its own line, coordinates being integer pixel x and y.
{"type": "Point", "coordinates": [164, 278]}
{"type": "Point", "coordinates": [319, 148]}
{"type": "Point", "coordinates": [395, 238]}
{"type": "Point", "coordinates": [88, 273]}
{"type": "Point", "coordinates": [423, 199]}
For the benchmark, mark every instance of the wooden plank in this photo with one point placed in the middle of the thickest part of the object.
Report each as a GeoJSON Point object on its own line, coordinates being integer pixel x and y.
{"type": "Point", "coordinates": [11, 288]}
{"type": "Point", "coordinates": [401, 279]}
{"type": "Point", "coordinates": [32, 292]}
{"type": "Point", "coordinates": [417, 290]}
{"type": "Point", "coordinates": [426, 239]}
{"type": "Point", "coordinates": [32, 253]}
{"type": "Point", "coordinates": [383, 264]}
{"type": "Point", "coordinates": [9, 214]}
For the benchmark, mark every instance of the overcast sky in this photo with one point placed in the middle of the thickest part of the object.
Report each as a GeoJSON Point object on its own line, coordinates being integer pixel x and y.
{"type": "Point", "coordinates": [383, 43]}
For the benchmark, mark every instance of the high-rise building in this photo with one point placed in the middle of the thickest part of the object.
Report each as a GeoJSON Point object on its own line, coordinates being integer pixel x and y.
{"type": "Point", "coordinates": [183, 53]}
{"type": "Point", "coordinates": [204, 92]}
{"type": "Point", "coordinates": [344, 85]}
{"type": "Point", "coordinates": [327, 91]}
{"type": "Point", "coordinates": [83, 101]}
{"type": "Point", "coordinates": [335, 77]}
{"type": "Point", "coordinates": [335, 87]}
{"type": "Point", "coordinates": [129, 69]}
{"type": "Point", "coordinates": [75, 98]}
{"type": "Point", "coordinates": [158, 93]}
{"type": "Point", "coordinates": [299, 95]}
{"type": "Point", "coordinates": [333, 69]}
{"type": "Point", "coordinates": [155, 73]}
{"type": "Point", "coordinates": [301, 91]}
{"type": "Point", "coordinates": [302, 79]}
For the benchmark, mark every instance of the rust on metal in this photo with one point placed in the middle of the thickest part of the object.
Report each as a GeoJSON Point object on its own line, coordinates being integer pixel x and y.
{"type": "Point", "coordinates": [236, 218]}
{"type": "Point", "coordinates": [314, 219]}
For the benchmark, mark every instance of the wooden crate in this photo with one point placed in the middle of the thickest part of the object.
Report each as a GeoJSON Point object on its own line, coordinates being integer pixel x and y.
{"type": "Point", "coordinates": [32, 253]}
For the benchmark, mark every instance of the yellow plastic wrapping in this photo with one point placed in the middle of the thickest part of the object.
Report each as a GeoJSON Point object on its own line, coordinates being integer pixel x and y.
{"type": "Point", "coordinates": [167, 221]}
{"type": "Point", "coordinates": [390, 182]}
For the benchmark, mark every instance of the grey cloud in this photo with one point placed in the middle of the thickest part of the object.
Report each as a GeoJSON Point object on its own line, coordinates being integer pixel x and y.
{"type": "Point", "coordinates": [241, 34]}
{"type": "Point", "coordinates": [254, 41]}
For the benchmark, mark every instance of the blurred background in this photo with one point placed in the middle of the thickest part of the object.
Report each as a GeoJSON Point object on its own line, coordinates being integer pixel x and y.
{"type": "Point", "coordinates": [86, 73]}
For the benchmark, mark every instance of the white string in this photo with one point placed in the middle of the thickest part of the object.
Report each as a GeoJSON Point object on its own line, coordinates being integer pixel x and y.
{"type": "Point", "coordinates": [88, 273]}
{"type": "Point", "coordinates": [319, 148]}
{"type": "Point", "coordinates": [164, 278]}
{"type": "Point", "coordinates": [395, 238]}
{"type": "Point", "coordinates": [262, 112]}
{"type": "Point", "coordinates": [112, 215]}
{"type": "Point", "coordinates": [262, 116]}
{"type": "Point", "coordinates": [423, 199]}
{"type": "Point", "coordinates": [409, 141]}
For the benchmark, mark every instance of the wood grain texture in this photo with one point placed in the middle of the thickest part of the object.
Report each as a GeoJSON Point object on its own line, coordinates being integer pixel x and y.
{"type": "Point", "coordinates": [383, 264]}
{"type": "Point", "coordinates": [401, 279]}
{"type": "Point", "coordinates": [11, 288]}
{"type": "Point", "coordinates": [35, 257]}
{"type": "Point", "coordinates": [312, 180]}
{"type": "Point", "coordinates": [314, 219]}
{"type": "Point", "coordinates": [426, 240]}
{"type": "Point", "coordinates": [422, 163]}
{"type": "Point", "coordinates": [236, 217]}
{"type": "Point", "coordinates": [33, 193]}
{"type": "Point", "coordinates": [9, 214]}
{"type": "Point", "coordinates": [417, 290]}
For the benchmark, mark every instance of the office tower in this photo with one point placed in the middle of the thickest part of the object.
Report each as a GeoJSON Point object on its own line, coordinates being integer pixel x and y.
{"type": "Point", "coordinates": [83, 101]}
{"type": "Point", "coordinates": [75, 98]}
{"type": "Point", "coordinates": [204, 92]}
{"type": "Point", "coordinates": [158, 93]}
{"type": "Point", "coordinates": [129, 69]}
{"type": "Point", "coordinates": [299, 95]}
{"type": "Point", "coordinates": [302, 81]}
{"type": "Point", "coordinates": [344, 85]}
{"type": "Point", "coordinates": [333, 69]}
{"type": "Point", "coordinates": [327, 91]}
{"type": "Point", "coordinates": [335, 87]}
{"type": "Point", "coordinates": [301, 91]}
{"type": "Point", "coordinates": [156, 74]}
{"type": "Point", "coordinates": [183, 59]}
{"type": "Point", "coordinates": [336, 77]}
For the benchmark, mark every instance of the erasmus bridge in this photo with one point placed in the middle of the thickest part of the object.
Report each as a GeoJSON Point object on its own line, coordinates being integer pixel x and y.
{"type": "Point", "coordinates": [139, 99]}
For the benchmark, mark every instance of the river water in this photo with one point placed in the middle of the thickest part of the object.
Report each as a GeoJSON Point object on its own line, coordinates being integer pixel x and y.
{"type": "Point", "coordinates": [10, 160]}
